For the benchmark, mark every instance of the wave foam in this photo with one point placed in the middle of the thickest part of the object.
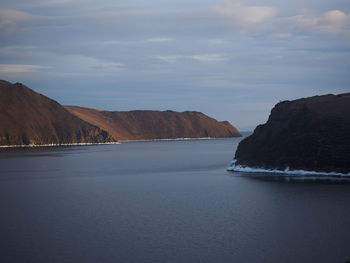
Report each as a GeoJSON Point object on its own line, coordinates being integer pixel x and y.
{"type": "Point", "coordinates": [245, 169]}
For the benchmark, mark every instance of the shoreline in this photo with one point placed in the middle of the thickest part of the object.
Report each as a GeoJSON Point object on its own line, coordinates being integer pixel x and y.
{"type": "Point", "coordinates": [180, 139]}
{"type": "Point", "coordinates": [286, 172]}
{"type": "Point", "coordinates": [174, 139]}
{"type": "Point", "coordinates": [108, 143]}
{"type": "Point", "coordinates": [55, 145]}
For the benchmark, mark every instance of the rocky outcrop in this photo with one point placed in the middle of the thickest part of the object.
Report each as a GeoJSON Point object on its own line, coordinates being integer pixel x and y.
{"type": "Point", "coordinates": [306, 134]}
{"type": "Point", "coordinates": [150, 125]}
{"type": "Point", "coordinates": [27, 117]}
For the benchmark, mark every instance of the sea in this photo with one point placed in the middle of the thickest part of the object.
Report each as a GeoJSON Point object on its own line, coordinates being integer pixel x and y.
{"type": "Point", "coordinates": [163, 201]}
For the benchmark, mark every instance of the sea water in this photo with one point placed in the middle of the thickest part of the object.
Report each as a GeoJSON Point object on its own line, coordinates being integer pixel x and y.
{"type": "Point", "coordinates": [169, 201]}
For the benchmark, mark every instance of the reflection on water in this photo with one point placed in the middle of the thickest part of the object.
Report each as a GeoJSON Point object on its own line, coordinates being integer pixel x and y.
{"type": "Point", "coordinates": [294, 178]}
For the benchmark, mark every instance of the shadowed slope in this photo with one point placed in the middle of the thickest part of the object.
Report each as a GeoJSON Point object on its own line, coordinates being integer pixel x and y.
{"type": "Point", "coordinates": [308, 134]}
{"type": "Point", "coordinates": [147, 125]}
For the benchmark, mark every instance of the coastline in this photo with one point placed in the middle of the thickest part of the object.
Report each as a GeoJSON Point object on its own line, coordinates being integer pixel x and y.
{"type": "Point", "coordinates": [107, 143]}
{"type": "Point", "coordinates": [55, 145]}
{"type": "Point", "coordinates": [286, 172]}
{"type": "Point", "coordinates": [174, 139]}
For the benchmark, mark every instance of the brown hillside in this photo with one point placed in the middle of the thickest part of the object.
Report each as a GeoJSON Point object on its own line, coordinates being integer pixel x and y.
{"type": "Point", "coordinates": [147, 125]}
{"type": "Point", "coordinates": [27, 117]}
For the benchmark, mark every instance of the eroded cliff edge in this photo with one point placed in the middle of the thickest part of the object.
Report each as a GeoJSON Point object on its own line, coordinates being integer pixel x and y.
{"type": "Point", "coordinates": [310, 134]}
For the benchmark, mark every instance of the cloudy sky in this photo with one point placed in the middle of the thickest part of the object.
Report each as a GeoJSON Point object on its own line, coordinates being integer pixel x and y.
{"type": "Point", "coordinates": [231, 59]}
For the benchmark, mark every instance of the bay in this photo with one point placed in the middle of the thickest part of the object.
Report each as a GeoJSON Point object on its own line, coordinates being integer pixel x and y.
{"type": "Point", "coordinates": [166, 201]}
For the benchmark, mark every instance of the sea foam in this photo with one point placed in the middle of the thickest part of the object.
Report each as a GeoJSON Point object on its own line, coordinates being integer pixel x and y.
{"type": "Point", "coordinates": [245, 169]}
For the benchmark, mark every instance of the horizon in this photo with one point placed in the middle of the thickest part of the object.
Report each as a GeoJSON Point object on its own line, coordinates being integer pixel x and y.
{"type": "Point", "coordinates": [231, 60]}
{"type": "Point", "coordinates": [111, 110]}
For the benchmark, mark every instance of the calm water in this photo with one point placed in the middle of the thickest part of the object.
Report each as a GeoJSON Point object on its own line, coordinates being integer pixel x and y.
{"type": "Point", "coordinates": [162, 202]}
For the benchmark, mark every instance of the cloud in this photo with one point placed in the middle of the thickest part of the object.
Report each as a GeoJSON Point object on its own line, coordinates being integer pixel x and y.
{"type": "Point", "coordinates": [87, 65]}
{"type": "Point", "coordinates": [160, 39]}
{"type": "Point", "coordinates": [56, 2]}
{"type": "Point", "coordinates": [12, 17]}
{"type": "Point", "coordinates": [239, 12]}
{"type": "Point", "coordinates": [204, 58]}
{"type": "Point", "coordinates": [135, 42]}
{"type": "Point", "coordinates": [170, 59]}
{"type": "Point", "coordinates": [209, 57]}
{"type": "Point", "coordinates": [17, 51]}
{"type": "Point", "coordinates": [9, 16]}
{"type": "Point", "coordinates": [119, 17]}
{"type": "Point", "coordinates": [331, 21]}
{"type": "Point", "coordinates": [20, 68]}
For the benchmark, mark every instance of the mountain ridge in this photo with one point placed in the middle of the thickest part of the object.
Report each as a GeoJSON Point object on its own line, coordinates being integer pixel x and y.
{"type": "Point", "coordinates": [152, 124]}
{"type": "Point", "coordinates": [30, 118]}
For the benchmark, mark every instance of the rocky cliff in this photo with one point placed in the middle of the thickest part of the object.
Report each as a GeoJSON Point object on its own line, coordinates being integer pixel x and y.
{"type": "Point", "coordinates": [148, 125]}
{"type": "Point", "coordinates": [305, 134]}
{"type": "Point", "coordinates": [27, 117]}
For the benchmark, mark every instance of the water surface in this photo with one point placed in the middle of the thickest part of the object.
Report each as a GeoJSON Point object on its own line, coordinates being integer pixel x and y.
{"type": "Point", "coordinates": [170, 201]}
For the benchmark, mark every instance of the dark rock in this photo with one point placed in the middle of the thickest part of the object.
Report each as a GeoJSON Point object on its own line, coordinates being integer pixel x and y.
{"type": "Point", "coordinates": [306, 134]}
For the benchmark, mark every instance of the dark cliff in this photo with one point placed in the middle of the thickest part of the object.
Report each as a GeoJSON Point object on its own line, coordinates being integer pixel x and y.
{"type": "Point", "coordinates": [308, 134]}
{"type": "Point", "coordinates": [148, 125]}
{"type": "Point", "coordinates": [27, 117]}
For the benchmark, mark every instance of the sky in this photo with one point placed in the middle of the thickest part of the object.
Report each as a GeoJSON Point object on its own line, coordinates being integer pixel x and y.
{"type": "Point", "coordinates": [230, 59]}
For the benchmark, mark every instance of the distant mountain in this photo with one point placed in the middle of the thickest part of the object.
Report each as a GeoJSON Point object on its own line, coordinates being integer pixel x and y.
{"type": "Point", "coordinates": [308, 134]}
{"type": "Point", "coordinates": [148, 125]}
{"type": "Point", "coordinates": [27, 117]}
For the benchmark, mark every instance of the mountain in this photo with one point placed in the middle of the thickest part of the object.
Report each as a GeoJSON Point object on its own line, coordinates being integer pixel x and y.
{"type": "Point", "coordinates": [27, 117]}
{"type": "Point", "coordinates": [305, 134]}
{"type": "Point", "coordinates": [148, 125]}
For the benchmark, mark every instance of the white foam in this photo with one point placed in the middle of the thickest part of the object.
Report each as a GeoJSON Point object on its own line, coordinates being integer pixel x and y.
{"type": "Point", "coordinates": [286, 172]}
{"type": "Point", "coordinates": [55, 145]}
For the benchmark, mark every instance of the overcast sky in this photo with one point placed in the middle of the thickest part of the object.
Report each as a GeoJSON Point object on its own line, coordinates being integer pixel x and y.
{"type": "Point", "coordinates": [230, 59]}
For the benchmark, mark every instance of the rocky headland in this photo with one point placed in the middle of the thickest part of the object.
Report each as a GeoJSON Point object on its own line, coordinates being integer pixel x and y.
{"type": "Point", "coordinates": [311, 134]}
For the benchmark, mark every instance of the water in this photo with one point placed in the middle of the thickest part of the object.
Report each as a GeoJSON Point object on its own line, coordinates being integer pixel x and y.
{"type": "Point", "coordinates": [169, 201]}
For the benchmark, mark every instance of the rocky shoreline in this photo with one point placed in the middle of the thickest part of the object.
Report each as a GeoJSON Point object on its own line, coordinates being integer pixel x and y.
{"type": "Point", "coordinates": [309, 134]}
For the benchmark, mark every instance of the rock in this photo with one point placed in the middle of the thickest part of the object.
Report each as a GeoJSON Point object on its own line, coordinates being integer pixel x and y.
{"type": "Point", "coordinates": [306, 134]}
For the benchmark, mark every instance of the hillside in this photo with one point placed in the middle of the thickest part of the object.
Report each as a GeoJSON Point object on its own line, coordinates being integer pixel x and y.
{"type": "Point", "coordinates": [148, 125]}
{"type": "Point", "coordinates": [27, 117]}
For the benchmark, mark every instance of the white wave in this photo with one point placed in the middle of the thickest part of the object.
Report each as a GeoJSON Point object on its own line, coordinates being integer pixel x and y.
{"type": "Point", "coordinates": [55, 145]}
{"type": "Point", "coordinates": [286, 172]}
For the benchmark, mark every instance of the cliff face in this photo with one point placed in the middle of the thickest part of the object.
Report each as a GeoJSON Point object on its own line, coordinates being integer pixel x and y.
{"type": "Point", "coordinates": [27, 117]}
{"type": "Point", "coordinates": [147, 125]}
{"type": "Point", "coordinates": [309, 134]}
